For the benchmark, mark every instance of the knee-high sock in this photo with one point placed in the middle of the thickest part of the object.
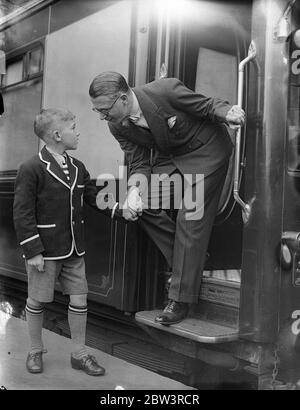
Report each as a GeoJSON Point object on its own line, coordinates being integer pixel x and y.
{"type": "Point", "coordinates": [34, 318]}
{"type": "Point", "coordinates": [77, 316]}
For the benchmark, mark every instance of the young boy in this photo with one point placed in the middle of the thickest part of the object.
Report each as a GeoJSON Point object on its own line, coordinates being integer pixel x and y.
{"type": "Point", "coordinates": [48, 216]}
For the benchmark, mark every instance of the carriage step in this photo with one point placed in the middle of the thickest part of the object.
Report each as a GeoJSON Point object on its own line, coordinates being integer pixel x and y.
{"type": "Point", "coordinates": [191, 328]}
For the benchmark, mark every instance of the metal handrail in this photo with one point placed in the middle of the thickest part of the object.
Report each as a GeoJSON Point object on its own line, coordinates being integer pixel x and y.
{"type": "Point", "coordinates": [237, 164]}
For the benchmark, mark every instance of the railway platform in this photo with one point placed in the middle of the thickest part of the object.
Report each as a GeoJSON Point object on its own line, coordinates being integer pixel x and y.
{"type": "Point", "coordinates": [58, 374]}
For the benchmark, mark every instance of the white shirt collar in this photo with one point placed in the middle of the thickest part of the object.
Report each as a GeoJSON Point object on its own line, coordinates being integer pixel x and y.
{"type": "Point", "coordinates": [60, 158]}
{"type": "Point", "coordinates": [136, 111]}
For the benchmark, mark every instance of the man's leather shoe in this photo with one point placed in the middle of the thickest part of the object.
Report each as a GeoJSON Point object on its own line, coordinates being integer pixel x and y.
{"type": "Point", "coordinates": [34, 362]}
{"type": "Point", "coordinates": [88, 364]}
{"type": "Point", "coordinates": [174, 312]}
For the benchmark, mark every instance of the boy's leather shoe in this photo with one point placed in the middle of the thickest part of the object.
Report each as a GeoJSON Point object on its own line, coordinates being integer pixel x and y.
{"type": "Point", "coordinates": [88, 364]}
{"type": "Point", "coordinates": [174, 312]}
{"type": "Point", "coordinates": [34, 362]}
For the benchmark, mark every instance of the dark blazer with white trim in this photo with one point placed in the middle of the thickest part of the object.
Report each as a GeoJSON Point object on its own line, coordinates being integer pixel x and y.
{"type": "Point", "coordinates": [48, 210]}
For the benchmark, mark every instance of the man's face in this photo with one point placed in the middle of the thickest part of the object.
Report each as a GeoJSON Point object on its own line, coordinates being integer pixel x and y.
{"type": "Point", "coordinates": [68, 134]}
{"type": "Point", "coordinates": [112, 108]}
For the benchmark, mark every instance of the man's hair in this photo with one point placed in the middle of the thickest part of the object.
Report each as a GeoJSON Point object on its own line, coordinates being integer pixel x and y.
{"type": "Point", "coordinates": [47, 121]}
{"type": "Point", "coordinates": [108, 83]}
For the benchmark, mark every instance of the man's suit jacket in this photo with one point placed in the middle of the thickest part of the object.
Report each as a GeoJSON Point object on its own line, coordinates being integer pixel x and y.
{"type": "Point", "coordinates": [187, 130]}
{"type": "Point", "coordinates": [48, 210]}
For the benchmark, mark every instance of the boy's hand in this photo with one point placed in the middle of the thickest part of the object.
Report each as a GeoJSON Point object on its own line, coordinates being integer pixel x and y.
{"type": "Point", "coordinates": [37, 261]}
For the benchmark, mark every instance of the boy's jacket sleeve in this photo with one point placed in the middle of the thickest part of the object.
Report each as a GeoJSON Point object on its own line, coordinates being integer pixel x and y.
{"type": "Point", "coordinates": [90, 197]}
{"type": "Point", "coordinates": [25, 212]}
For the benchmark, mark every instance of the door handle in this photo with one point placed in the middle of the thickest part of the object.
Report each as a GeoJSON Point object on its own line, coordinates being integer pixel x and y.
{"type": "Point", "coordinates": [246, 208]}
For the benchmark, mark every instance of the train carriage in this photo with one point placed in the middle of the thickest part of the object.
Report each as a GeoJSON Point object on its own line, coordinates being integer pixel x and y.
{"type": "Point", "coordinates": [248, 53]}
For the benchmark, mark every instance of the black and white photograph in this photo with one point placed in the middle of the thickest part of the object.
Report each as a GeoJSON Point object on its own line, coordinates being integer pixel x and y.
{"type": "Point", "coordinates": [149, 198]}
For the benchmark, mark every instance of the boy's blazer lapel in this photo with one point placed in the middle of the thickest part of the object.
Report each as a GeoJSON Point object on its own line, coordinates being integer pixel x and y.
{"type": "Point", "coordinates": [52, 167]}
{"type": "Point", "coordinates": [73, 171]}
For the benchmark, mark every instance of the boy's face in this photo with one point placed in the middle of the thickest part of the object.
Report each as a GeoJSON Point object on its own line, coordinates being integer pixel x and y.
{"type": "Point", "coordinates": [68, 134]}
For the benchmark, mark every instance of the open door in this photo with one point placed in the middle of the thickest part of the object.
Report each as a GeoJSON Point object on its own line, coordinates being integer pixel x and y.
{"type": "Point", "coordinates": [205, 53]}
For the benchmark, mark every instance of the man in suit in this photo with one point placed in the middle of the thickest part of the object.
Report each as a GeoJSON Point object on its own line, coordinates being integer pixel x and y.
{"type": "Point", "coordinates": [166, 129]}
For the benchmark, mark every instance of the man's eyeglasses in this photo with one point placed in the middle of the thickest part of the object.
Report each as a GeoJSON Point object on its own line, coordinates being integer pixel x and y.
{"type": "Point", "coordinates": [105, 111]}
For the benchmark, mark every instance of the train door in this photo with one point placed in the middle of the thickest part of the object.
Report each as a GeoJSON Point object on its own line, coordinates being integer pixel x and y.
{"type": "Point", "coordinates": [202, 43]}
{"type": "Point", "coordinates": [288, 342]}
{"type": "Point", "coordinates": [250, 289]}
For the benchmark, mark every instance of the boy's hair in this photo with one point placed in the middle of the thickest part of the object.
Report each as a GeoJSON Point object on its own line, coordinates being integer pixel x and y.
{"type": "Point", "coordinates": [46, 121]}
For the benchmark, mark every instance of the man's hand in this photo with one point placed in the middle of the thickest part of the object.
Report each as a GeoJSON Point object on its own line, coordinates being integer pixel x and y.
{"type": "Point", "coordinates": [235, 117]}
{"type": "Point", "coordinates": [129, 215]}
{"type": "Point", "coordinates": [133, 205]}
{"type": "Point", "coordinates": [37, 262]}
{"type": "Point", "coordinates": [134, 200]}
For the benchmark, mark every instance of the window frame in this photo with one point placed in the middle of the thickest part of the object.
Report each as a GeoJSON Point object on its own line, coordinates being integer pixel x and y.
{"type": "Point", "coordinates": [24, 55]}
{"type": "Point", "coordinates": [11, 57]}
{"type": "Point", "coordinates": [293, 88]}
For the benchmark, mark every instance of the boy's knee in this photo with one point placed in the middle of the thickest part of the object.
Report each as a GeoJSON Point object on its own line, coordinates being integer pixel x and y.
{"type": "Point", "coordinates": [78, 300]}
{"type": "Point", "coordinates": [34, 303]}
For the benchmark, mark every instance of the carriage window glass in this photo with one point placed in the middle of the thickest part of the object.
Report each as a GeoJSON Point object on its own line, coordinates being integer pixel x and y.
{"type": "Point", "coordinates": [216, 76]}
{"type": "Point", "coordinates": [14, 73]}
{"type": "Point", "coordinates": [294, 131]}
{"type": "Point", "coordinates": [18, 141]}
{"type": "Point", "coordinates": [211, 68]}
{"type": "Point", "coordinates": [35, 61]}
{"type": "Point", "coordinates": [294, 110]}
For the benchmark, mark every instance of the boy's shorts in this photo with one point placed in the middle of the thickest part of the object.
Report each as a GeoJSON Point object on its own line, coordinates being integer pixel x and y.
{"type": "Point", "coordinates": [69, 272]}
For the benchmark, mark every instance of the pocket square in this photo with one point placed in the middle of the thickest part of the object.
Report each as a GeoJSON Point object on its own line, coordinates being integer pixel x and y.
{"type": "Point", "coordinates": [172, 121]}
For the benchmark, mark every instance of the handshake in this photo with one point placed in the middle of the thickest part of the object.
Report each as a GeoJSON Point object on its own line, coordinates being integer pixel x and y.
{"type": "Point", "coordinates": [133, 205]}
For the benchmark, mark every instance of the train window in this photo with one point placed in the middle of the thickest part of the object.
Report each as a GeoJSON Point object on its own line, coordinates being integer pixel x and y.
{"type": "Point", "coordinates": [34, 65]}
{"type": "Point", "coordinates": [294, 110]}
{"type": "Point", "coordinates": [23, 67]}
{"type": "Point", "coordinates": [18, 142]}
{"type": "Point", "coordinates": [21, 88]}
{"type": "Point", "coordinates": [14, 73]}
{"type": "Point", "coordinates": [211, 68]}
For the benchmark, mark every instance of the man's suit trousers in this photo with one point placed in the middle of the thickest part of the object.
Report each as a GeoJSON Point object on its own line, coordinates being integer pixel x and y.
{"type": "Point", "coordinates": [184, 242]}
